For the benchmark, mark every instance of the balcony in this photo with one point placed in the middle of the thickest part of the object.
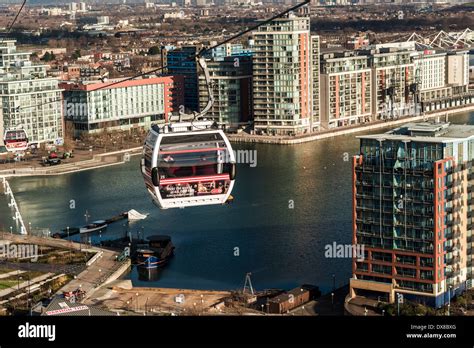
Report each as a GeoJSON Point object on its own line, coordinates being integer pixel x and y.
{"type": "Point", "coordinates": [453, 260]}
{"type": "Point", "coordinates": [452, 274]}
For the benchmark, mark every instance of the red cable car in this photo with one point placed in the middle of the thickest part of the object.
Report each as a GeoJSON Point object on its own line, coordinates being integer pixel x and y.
{"type": "Point", "coordinates": [15, 140]}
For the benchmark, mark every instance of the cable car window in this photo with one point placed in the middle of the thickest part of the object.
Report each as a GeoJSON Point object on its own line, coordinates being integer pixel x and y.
{"type": "Point", "coordinates": [148, 154]}
{"type": "Point", "coordinates": [192, 138]}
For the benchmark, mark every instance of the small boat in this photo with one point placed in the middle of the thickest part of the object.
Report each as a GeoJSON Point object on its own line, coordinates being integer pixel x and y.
{"type": "Point", "coordinates": [93, 227]}
{"type": "Point", "coordinates": [135, 215]}
{"type": "Point", "coordinates": [159, 250]}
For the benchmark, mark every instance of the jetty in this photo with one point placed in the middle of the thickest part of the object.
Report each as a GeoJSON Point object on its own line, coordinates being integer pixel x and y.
{"type": "Point", "coordinates": [71, 231]}
{"type": "Point", "coordinates": [14, 206]}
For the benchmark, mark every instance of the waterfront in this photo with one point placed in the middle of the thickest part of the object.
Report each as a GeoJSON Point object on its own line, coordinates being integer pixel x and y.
{"type": "Point", "coordinates": [282, 247]}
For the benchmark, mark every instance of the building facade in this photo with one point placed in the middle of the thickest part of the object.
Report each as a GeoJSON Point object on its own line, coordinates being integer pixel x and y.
{"type": "Point", "coordinates": [392, 80]}
{"type": "Point", "coordinates": [315, 82]}
{"type": "Point", "coordinates": [346, 89]}
{"type": "Point", "coordinates": [282, 77]}
{"type": "Point", "coordinates": [231, 81]}
{"type": "Point", "coordinates": [181, 61]}
{"type": "Point", "coordinates": [30, 99]}
{"type": "Point", "coordinates": [413, 210]}
{"type": "Point", "coordinates": [93, 107]}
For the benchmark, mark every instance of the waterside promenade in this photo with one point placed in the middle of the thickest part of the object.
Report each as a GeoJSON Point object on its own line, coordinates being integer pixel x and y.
{"type": "Point", "coordinates": [265, 139]}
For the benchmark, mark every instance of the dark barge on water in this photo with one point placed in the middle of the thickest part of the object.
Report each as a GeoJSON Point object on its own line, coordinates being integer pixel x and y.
{"type": "Point", "coordinates": [150, 253]}
{"type": "Point", "coordinates": [71, 231]}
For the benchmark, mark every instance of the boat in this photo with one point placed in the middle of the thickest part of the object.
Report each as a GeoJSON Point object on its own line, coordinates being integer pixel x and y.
{"type": "Point", "coordinates": [135, 215]}
{"type": "Point", "coordinates": [157, 253]}
{"type": "Point", "coordinates": [93, 227]}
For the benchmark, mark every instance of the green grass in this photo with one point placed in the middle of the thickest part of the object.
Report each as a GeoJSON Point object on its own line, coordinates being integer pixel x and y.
{"type": "Point", "coordinates": [6, 283]}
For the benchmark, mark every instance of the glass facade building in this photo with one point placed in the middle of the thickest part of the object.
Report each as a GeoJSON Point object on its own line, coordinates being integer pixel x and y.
{"type": "Point", "coordinates": [412, 211]}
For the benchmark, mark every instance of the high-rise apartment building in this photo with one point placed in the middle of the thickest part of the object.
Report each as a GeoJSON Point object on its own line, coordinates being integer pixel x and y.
{"type": "Point", "coordinates": [315, 84]}
{"type": "Point", "coordinates": [93, 107]}
{"type": "Point", "coordinates": [181, 61]}
{"type": "Point", "coordinates": [29, 98]}
{"type": "Point", "coordinates": [413, 211]}
{"type": "Point", "coordinates": [282, 77]}
{"type": "Point", "coordinates": [231, 81]}
{"type": "Point", "coordinates": [346, 89]}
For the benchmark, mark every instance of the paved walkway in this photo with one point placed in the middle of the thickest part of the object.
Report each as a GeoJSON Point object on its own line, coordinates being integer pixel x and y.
{"type": "Point", "coordinates": [362, 306]}
{"type": "Point", "coordinates": [11, 274]}
{"type": "Point", "coordinates": [91, 277]}
{"type": "Point", "coordinates": [25, 284]}
{"type": "Point", "coordinates": [328, 133]}
{"type": "Point", "coordinates": [98, 161]}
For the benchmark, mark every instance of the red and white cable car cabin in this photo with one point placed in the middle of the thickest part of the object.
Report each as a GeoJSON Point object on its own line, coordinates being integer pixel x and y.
{"type": "Point", "coordinates": [188, 164]}
{"type": "Point", "coordinates": [15, 140]}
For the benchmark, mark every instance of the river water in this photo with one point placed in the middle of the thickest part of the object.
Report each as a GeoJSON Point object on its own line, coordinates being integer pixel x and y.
{"type": "Point", "coordinates": [217, 245]}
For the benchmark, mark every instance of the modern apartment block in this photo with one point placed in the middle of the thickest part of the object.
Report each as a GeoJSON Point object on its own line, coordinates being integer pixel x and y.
{"type": "Point", "coordinates": [392, 80]}
{"type": "Point", "coordinates": [282, 77]}
{"type": "Point", "coordinates": [29, 98]}
{"type": "Point", "coordinates": [180, 61]}
{"type": "Point", "coordinates": [315, 81]}
{"type": "Point", "coordinates": [346, 89]}
{"type": "Point", "coordinates": [231, 81]}
{"type": "Point", "coordinates": [413, 211]}
{"type": "Point", "coordinates": [93, 107]}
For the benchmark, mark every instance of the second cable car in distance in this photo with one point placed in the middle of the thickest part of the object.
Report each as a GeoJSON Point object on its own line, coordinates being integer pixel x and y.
{"type": "Point", "coordinates": [15, 140]}
{"type": "Point", "coordinates": [188, 164]}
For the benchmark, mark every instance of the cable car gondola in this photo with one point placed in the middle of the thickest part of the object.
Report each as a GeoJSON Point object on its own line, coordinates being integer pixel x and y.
{"type": "Point", "coordinates": [188, 164]}
{"type": "Point", "coordinates": [15, 140]}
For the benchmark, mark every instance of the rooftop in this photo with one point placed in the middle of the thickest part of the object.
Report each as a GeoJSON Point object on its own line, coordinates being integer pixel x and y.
{"type": "Point", "coordinates": [436, 132]}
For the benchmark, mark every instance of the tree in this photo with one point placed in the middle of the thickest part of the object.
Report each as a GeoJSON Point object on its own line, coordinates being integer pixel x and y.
{"type": "Point", "coordinates": [76, 54]}
{"type": "Point", "coordinates": [153, 51]}
{"type": "Point", "coordinates": [48, 56]}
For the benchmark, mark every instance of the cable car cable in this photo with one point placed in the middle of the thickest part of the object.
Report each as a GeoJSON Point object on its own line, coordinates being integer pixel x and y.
{"type": "Point", "coordinates": [191, 57]}
{"type": "Point", "coordinates": [15, 19]}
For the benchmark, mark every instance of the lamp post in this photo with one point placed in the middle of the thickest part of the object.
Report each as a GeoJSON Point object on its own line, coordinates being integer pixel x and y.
{"type": "Point", "coordinates": [449, 299]}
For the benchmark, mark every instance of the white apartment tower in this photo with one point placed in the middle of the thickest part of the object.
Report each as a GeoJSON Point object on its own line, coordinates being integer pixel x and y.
{"type": "Point", "coordinates": [282, 77]}
{"type": "Point", "coordinates": [29, 98]}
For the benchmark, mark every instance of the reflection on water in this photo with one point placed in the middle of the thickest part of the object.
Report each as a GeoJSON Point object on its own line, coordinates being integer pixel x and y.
{"type": "Point", "coordinates": [216, 245]}
{"type": "Point", "coordinates": [148, 274]}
